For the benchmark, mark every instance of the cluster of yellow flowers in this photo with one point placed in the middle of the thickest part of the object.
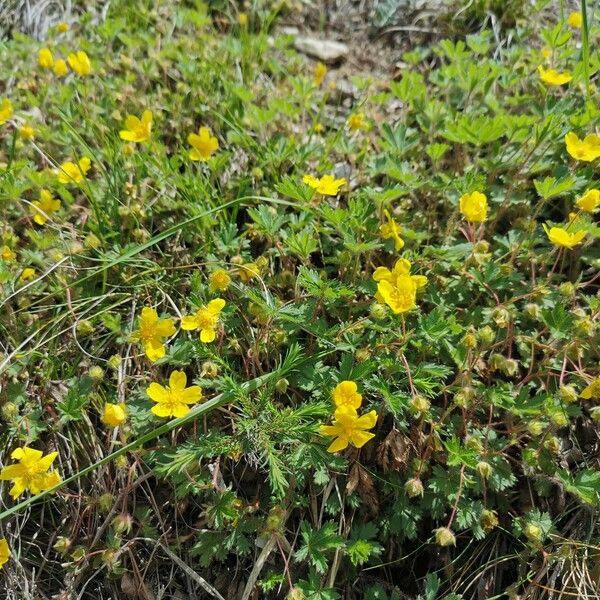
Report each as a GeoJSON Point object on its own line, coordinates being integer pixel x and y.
{"type": "Point", "coordinates": [348, 427]}
{"type": "Point", "coordinates": [78, 61]}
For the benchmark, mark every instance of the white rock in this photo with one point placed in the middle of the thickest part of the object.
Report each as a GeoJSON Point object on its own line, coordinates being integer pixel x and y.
{"type": "Point", "coordinates": [325, 50]}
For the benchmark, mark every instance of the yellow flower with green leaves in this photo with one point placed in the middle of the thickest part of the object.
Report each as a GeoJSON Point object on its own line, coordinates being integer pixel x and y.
{"type": "Point", "coordinates": [575, 20]}
{"type": "Point", "coordinates": [590, 201]}
{"type": "Point", "coordinates": [553, 77]}
{"type": "Point", "coordinates": [31, 473]}
{"type": "Point", "coordinates": [136, 129]}
{"type": "Point", "coordinates": [114, 414]}
{"type": "Point", "coordinates": [349, 428]}
{"type": "Point", "coordinates": [205, 320]}
{"type": "Point", "coordinates": [398, 288]}
{"type": "Point", "coordinates": [70, 172]}
{"type": "Point", "coordinates": [326, 185]}
{"type": "Point", "coordinates": [346, 393]}
{"type": "Point", "coordinates": [474, 207]}
{"type": "Point", "coordinates": [80, 63]}
{"type": "Point", "coordinates": [391, 230]}
{"type": "Point", "coordinates": [27, 274]}
{"type": "Point", "coordinates": [356, 121]}
{"type": "Point", "coordinates": [6, 110]}
{"type": "Point", "coordinates": [45, 58]}
{"type": "Point", "coordinates": [175, 400]}
{"type": "Point", "coordinates": [203, 143]}
{"type": "Point", "coordinates": [4, 552]}
{"type": "Point", "coordinates": [586, 150]}
{"type": "Point", "coordinates": [63, 27]}
{"type": "Point", "coordinates": [7, 254]}
{"type": "Point", "coordinates": [564, 239]}
{"type": "Point", "coordinates": [219, 280]}
{"type": "Point", "coordinates": [152, 332]}
{"type": "Point", "coordinates": [44, 207]}
{"type": "Point", "coordinates": [26, 132]}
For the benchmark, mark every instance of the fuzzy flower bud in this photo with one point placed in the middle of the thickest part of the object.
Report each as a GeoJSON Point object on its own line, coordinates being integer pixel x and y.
{"type": "Point", "coordinates": [444, 537]}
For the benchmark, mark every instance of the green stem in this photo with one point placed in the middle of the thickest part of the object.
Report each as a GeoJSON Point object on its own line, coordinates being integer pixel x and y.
{"type": "Point", "coordinates": [586, 49]}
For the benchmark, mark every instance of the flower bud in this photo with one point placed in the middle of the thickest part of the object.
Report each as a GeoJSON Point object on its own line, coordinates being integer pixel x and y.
{"type": "Point", "coordinates": [122, 524]}
{"type": "Point", "coordinates": [595, 413]}
{"type": "Point", "coordinates": [210, 369]}
{"type": "Point", "coordinates": [106, 502]}
{"type": "Point", "coordinates": [552, 444]}
{"type": "Point", "coordinates": [414, 487]}
{"type": "Point", "coordinates": [420, 404]}
{"type": "Point", "coordinates": [474, 443]}
{"type": "Point", "coordinates": [559, 418]}
{"type": "Point", "coordinates": [501, 316]}
{"type": "Point", "coordinates": [568, 394]}
{"type": "Point", "coordinates": [275, 519]}
{"type": "Point", "coordinates": [469, 340]}
{"type": "Point", "coordinates": [84, 327]}
{"type": "Point", "coordinates": [566, 289]}
{"type": "Point", "coordinates": [510, 367]}
{"type": "Point", "coordinates": [378, 311]}
{"type": "Point", "coordinates": [463, 397]}
{"type": "Point", "coordinates": [281, 385]}
{"type": "Point", "coordinates": [444, 537]}
{"type": "Point", "coordinates": [362, 354]}
{"type": "Point", "coordinates": [488, 519]}
{"type": "Point", "coordinates": [533, 533]}
{"type": "Point", "coordinates": [536, 428]}
{"type": "Point", "coordinates": [62, 544]}
{"type": "Point", "coordinates": [486, 335]}
{"type": "Point", "coordinates": [9, 412]}
{"type": "Point", "coordinates": [484, 469]}
{"type": "Point", "coordinates": [92, 242]}
{"type": "Point", "coordinates": [481, 247]}
{"type": "Point", "coordinates": [114, 362]}
{"type": "Point", "coordinates": [533, 310]}
{"type": "Point", "coordinates": [496, 361]}
{"type": "Point", "coordinates": [96, 373]}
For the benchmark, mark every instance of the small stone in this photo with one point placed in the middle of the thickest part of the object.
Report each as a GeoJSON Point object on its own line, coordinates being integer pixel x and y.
{"type": "Point", "coordinates": [328, 51]}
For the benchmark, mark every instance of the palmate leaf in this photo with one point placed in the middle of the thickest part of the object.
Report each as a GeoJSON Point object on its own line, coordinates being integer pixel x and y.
{"type": "Point", "coordinates": [549, 187]}
{"type": "Point", "coordinates": [318, 544]}
{"type": "Point", "coordinates": [585, 485]}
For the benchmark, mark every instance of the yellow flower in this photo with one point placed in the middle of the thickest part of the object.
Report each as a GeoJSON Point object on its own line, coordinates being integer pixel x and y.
{"type": "Point", "coordinates": [26, 132]}
{"type": "Point", "coordinates": [562, 238]}
{"type": "Point", "coordinates": [327, 185]}
{"type": "Point", "coordinates": [346, 393]}
{"type": "Point", "coordinates": [248, 271]}
{"type": "Point", "coordinates": [219, 280]}
{"type": "Point", "coordinates": [41, 209]}
{"type": "Point", "coordinates": [398, 288]}
{"type": "Point", "coordinates": [70, 172]}
{"type": "Point", "coordinates": [592, 390]}
{"type": "Point", "coordinates": [45, 58]}
{"type": "Point", "coordinates": [6, 110]}
{"type": "Point", "coordinates": [349, 428]}
{"type": "Point", "coordinates": [114, 414]}
{"type": "Point", "coordinates": [391, 230]}
{"type": "Point", "coordinates": [174, 400]}
{"type": "Point", "coordinates": [356, 121]}
{"type": "Point", "coordinates": [553, 77]}
{"type": "Point", "coordinates": [243, 19]}
{"type": "Point", "coordinates": [587, 149]}
{"type": "Point", "coordinates": [319, 128]}
{"type": "Point", "coordinates": [80, 63]}
{"type": "Point", "coordinates": [575, 20]}
{"type": "Point", "coordinates": [28, 273]}
{"type": "Point", "coordinates": [205, 319]}
{"type": "Point", "coordinates": [546, 53]}
{"type": "Point", "coordinates": [320, 72]}
{"type": "Point", "coordinates": [60, 67]}
{"type": "Point", "coordinates": [590, 201]}
{"type": "Point", "coordinates": [4, 552]}
{"type": "Point", "coordinates": [474, 207]}
{"type": "Point", "coordinates": [31, 472]}
{"type": "Point", "coordinates": [137, 130]}
{"type": "Point", "coordinates": [7, 254]}
{"type": "Point", "coordinates": [151, 333]}
{"type": "Point", "coordinates": [204, 144]}
{"type": "Point", "coordinates": [63, 27]}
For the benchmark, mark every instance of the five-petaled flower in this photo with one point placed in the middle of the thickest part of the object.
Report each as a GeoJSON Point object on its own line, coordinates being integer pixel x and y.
{"type": "Point", "coordinates": [391, 230]}
{"type": "Point", "coordinates": [26, 132]}
{"type": "Point", "coordinates": [398, 288]}
{"type": "Point", "coordinates": [45, 58]}
{"type": "Point", "coordinates": [474, 207]}
{"type": "Point", "coordinates": [114, 414]}
{"type": "Point", "coordinates": [31, 472]}
{"type": "Point", "coordinates": [137, 130]}
{"type": "Point", "coordinates": [60, 67]}
{"type": "Point", "coordinates": [320, 72]}
{"type": "Point", "coordinates": [205, 319]}
{"type": "Point", "coordinates": [6, 110]}
{"type": "Point", "coordinates": [7, 254]}
{"type": "Point", "coordinates": [590, 201]}
{"type": "Point", "coordinates": [592, 390]}
{"type": "Point", "coordinates": [69, 172]}
{"type": "Point", "coordinates": [174, 401]}
{"type": "Point", "coordinates": [219, 280]}
{"type": "Point", "coordinates": [587, 149]}
{"type": "Point", "coordinates": [356, 121]}
{"type": "Point", "coordinates": [151, 333]}
{"type": "Point", "coordinates": [326, 185]}
{"type": "Point", "coordinates": [44, 207]}
{"type": "Point", "coordinates": [349, 428]}
{"type": "Point", "coordinates": [346, 393]}
{"type": "Point", "coordinates": [4, 552]}
{"type": "Point", "coordinates": [80, 63]}
{"type": "Point", "coordinates": [562, 238]}
{"type": "Point", "coordinates": [203, 143]}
